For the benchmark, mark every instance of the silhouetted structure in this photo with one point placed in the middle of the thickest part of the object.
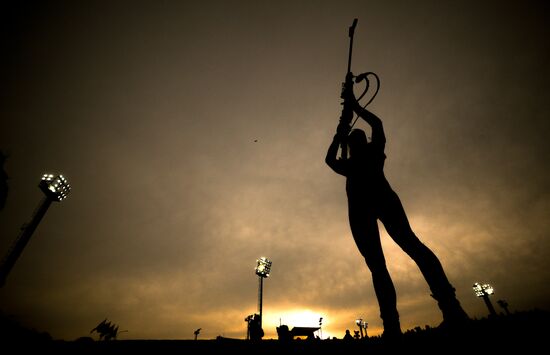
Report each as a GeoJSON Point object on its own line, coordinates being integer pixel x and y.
{"type": "Point", "coordinates": [55, 189]}
{"type": "Point", "coordinates": [521, 332]}
{"type": "Point", "coordinates": [3, 181]}
{"type": "Point", "coordinates": [371, 198]}
{"type": "Point", "coordinates": [504, 305]}
{"type": "Point", "coordinates": [308, 332]}
{"type": "Point", "coordinates": [106, 330]}
{"type": "Point", "coordinates": [197, 332]}
{"type": "Point", "coordinates": [263, 268]}
{"type": "Point", "coordinates": [483, 291]}
{"type": "Point", "coordinates": [284, 333]}
{"type": "Point", "coordinates": [362, 325]}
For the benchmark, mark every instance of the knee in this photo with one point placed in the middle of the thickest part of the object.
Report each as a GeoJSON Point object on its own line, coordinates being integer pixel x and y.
{"type": "Point", "coordinates": [416, 249]}
{"type": "Point", "coordinates": [376, 264]}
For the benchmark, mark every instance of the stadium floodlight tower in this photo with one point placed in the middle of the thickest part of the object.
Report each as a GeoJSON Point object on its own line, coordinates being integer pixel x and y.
{"type": "Point", "coordinates": [263, 268]}
{"type": "Point", "coordinates": [362, 325]}
{"type": "Point", "coordinates": [484, 291]}
{"type": "Point", "coordinates": [56, 188]}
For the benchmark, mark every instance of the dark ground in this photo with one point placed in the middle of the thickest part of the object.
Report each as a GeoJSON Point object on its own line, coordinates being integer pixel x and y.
{"type": "Point", "coordinates": [520, 332]}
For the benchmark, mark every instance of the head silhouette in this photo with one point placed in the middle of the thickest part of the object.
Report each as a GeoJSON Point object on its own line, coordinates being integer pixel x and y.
{"type": "Point", "coordinates": [357, 141]}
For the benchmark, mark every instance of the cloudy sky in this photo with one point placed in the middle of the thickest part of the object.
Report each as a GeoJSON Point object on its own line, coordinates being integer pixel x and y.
{"type": "Point", "coordinates": [194, 135]}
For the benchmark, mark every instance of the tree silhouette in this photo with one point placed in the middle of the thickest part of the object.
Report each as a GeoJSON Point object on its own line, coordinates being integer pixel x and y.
{"type": "Point", "coordinates": [106, 330]}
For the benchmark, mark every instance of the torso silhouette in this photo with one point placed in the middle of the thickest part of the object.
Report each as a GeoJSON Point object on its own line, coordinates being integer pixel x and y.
{"type": "Point", "coordinates": [365, 173]}
{"type": "Point", "coordinates": [364, 169]}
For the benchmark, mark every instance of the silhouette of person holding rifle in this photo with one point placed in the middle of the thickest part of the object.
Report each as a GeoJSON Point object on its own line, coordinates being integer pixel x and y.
{"type": "Point", "coordinates": [371, 198]}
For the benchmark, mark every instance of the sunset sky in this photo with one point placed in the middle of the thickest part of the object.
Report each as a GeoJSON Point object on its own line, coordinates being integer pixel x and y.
{"type": "Point", "coordinates": [194, 134]}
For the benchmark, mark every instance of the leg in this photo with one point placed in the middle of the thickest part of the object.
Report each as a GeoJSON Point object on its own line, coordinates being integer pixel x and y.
{"type": "Point", "coordinates": [397, 225]}
{"type": "Point", "coordinates": [367, 237]}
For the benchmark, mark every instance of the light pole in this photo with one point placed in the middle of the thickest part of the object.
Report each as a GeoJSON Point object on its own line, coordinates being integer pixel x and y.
{"type": "Point", "coordinates": [55, 188]}
{"type": "Point", "coordinates": [504, 306]}
{"type": "Point", "coordinates": [484, 291]}
{"type": "Point", "coordinates": [362, 325]}
{"type": "Point", "coordinates": [263, 267]}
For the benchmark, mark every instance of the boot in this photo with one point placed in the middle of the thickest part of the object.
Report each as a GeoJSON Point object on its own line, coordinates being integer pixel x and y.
{"type": "Point", "coordinates": [392, 327]}
{"type": "Point", "coordinates": [454, 315]}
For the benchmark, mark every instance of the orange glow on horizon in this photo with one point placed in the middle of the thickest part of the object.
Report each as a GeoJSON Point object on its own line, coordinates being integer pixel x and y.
{"type": "Point", "coordinates": [296, 318]}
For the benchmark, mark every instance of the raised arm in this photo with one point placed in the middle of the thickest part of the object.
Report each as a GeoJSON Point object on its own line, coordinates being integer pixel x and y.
{"type": "Point", "coordinates": [338, 165]}
{"type": "Point", "coordinates": [378, 136]}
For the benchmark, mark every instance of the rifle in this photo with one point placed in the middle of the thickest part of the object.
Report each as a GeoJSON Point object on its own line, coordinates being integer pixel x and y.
{"type": "Point", "coordinates": [347, 110]}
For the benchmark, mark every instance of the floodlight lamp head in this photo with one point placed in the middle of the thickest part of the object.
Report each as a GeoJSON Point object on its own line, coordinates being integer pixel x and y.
{"type": "Point", "coordinates": [482, 290]}
{"type": "Point", "coordinates": [478, 290]}
{"type": "Point", "coordinates": [263, 267]}
{"type": "Point", "coordinates": [488, 289]}
{"type": "Point", "coordinates": [56, 188]}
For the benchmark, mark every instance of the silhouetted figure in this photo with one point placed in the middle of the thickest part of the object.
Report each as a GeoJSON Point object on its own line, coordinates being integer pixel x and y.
{"type": "Point", "coordinates": [248, 319]}
{"type": "Point", "coordinates": [371, 198]}
{"type": "Point", "coordinates": [348, 335]}
{"type": "Point", "coordinates": [255, 330]}
{"type": "Point", "coordinates": [3, 181]}
{"type": "Point", "coordinates": [197, 332]}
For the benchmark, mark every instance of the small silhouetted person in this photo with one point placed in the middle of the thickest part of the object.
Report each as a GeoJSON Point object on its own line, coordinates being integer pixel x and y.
{"type": "Point", "coordinates": [371, 198]}
{"type": "Point", "coordinates": [348, 335]}
{"type": "Point", "coordinates": [256, 331]}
